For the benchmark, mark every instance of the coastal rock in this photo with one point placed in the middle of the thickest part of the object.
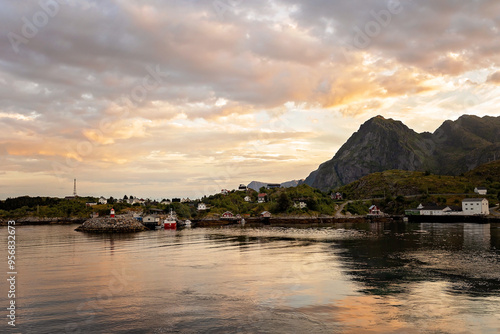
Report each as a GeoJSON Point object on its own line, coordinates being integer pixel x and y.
{"type": "Point", "coordinates": [111, 225]}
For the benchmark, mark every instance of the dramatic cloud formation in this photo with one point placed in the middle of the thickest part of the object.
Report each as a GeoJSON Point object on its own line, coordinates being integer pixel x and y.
{"type": "Point", "coordinates": [185, 97]}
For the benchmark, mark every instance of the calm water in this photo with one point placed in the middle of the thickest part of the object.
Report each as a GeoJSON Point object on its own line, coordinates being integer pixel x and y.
{"type": "Point", "coordinates": [392, 278]}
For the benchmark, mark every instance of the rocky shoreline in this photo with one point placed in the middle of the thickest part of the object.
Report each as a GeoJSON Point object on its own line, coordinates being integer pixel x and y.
{"type": "Point", "coordinates": [111, 225]}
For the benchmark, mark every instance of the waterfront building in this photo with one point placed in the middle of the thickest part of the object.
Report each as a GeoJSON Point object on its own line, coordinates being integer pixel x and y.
{"type": "Point", "coordinates": [475, 206]}
{"type": "Point", "coordinates": [265, 214]}
{"type": "Point", "coordinates": [374, 211]}
{"type": "Point", "coordinates": [227, 215]}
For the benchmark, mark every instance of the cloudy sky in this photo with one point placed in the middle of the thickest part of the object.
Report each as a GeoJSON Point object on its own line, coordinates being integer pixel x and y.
{"type": "Point", "coordinates": [178, 98]}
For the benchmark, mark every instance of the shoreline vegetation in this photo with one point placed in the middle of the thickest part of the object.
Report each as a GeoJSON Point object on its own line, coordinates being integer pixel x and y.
{"type": "Point", "coordinates": [391, 191]}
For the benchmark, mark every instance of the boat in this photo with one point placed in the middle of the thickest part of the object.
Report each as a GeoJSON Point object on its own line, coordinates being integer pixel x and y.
{"type": "Point", "coordinates": [170, 223]}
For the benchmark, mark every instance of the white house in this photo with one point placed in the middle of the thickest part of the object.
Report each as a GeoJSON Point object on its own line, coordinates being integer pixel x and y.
{"type": "Point", "coordinates": [242, 187]}
{"type": "Point", "coordinates": [434, 210]}
{"type": "Point", "coordinates": [102, 200]}
{"type": "Point", "coordinates": [262, 198]}
{"type": "Point", "coordinates": [224, 191]}
{"type": "Point", "coordinates": [133, 201]}
{"type": "Point", "coordinates": [300, 205]}
{"type": "Point", "coordinates": [480, 190]}
{"type": "Point", "coordinates": [248, 199]}
{"type": "Point", "coordinates": [202, 206]}
{"type": "Point", "coordinates": [475, 206]}
{"type": "Point", "coordinates": [151, 219]}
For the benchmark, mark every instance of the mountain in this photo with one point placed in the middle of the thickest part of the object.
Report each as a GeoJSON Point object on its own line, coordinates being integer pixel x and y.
{"type": "Point", "coordinates": [290, 184]}
{"type": "Point", "coordinates": [383, 144]}
{"type": "Point", "coordinates": [256, 185]}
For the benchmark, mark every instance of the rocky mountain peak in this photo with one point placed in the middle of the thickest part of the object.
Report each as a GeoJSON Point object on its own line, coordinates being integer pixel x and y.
{"type": "Point", "coordinates": [383, 144]}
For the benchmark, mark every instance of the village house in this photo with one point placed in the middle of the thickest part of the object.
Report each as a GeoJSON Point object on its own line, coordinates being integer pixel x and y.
{"type": "Point", "coordinates": [475, 206]}
{"type": "Point", "coordinates": [337, 196]}
{"type": "Point", "coordinates": [300, 205]}
{"type": "Point", "coordinates": [227, 215]}
{"type": "Point", "coordinates": [133, 201]}
{"type": "Point", "coordinates": [248, 199]}
{"type": "Point", "coordinates": [242, 187]}
{"type": "Point", "coordinates": [202, 207]}
{"type": "Point", "coordinates": [165, 202]}
{"type": "Point", "coordinates": [480, 190]}
{"type": "Point", "coordinates": [224, 192]}
{"type": "Point", "coordinates": [261, 198]}
{"type": "Point", "coordinates": [434, 210]}
{"type": "Point", "coordinates": [273, 185]}
{"type": "Point", "coordinates": [374, 211]}
{"type": "Point", "coordinates": [265, 214]}
{"type": "Point", "coordinates": [90, 203]}
{"type": "Point", "coordinates": [151, 219]}
{"type": "Point", "coordinates": [103, 200]}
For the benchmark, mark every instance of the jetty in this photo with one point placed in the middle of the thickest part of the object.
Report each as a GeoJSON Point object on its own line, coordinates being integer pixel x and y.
{"type": "Point", "coordinates": [111, 225]}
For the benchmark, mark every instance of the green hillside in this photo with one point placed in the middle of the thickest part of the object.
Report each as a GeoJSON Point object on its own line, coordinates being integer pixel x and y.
{"type": "Point", "coordinates": [404, 183]}
{"type": "Point", "coordinates": [278, 201]}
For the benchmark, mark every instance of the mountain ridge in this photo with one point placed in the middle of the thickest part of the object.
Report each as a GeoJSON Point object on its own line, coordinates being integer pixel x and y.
{"type": "Point", "coordinates": [256, 185]}
{"type": "Point", "coordinates": [383, 144]}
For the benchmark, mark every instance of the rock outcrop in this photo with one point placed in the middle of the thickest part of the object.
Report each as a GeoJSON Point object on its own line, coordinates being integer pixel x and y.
{"type": "Point", "coordinates": [384, 144]}
{"type": "Point", "coordinates": [111, 225]}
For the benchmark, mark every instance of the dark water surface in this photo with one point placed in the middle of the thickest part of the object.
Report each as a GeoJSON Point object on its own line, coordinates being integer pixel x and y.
{"type": "Point", "coordinates": [378, 278]}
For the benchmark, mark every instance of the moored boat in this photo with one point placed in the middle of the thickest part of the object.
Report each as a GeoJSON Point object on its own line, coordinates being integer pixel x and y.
{"type": "Point", "coordinates": [170, 223]}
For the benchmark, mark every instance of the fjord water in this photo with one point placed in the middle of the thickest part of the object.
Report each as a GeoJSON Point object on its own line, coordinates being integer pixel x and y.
{"type": "Point", "coordinates": [378, 278]}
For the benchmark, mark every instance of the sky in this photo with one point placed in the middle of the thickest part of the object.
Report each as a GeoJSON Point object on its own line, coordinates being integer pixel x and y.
{"type": "Point", "coordinates": [182, 98]}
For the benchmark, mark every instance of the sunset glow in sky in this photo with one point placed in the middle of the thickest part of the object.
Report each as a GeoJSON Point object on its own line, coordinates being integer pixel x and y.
{"type": "Point", "coordinates": [180, 98]}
